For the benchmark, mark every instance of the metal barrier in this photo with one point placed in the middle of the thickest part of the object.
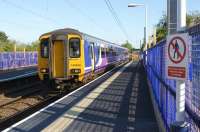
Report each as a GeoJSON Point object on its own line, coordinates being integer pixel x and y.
{"type": "Point", "coordinates": [13, 60]}
{"type": "Point", "coordinates": [164, 90]}
{"type": "Point", "coordinates": [193, 83]}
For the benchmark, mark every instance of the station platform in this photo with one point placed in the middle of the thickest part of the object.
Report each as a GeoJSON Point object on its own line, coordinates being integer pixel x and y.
{"type": "Point", "coordinates": [121, 103]}
{"type": "Point", "coordinates": [17, 73]}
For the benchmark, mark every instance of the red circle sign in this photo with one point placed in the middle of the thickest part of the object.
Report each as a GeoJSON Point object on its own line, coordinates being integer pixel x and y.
{"type": "Point", "coordinates": [177, 50]}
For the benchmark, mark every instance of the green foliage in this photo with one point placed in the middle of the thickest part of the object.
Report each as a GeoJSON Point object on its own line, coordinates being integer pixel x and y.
{"type": "Point", "coordinates": [33, 46]}
{"type": "Point", "coordinates": [3, 37]}
{"type": "Point", "coordinates": [127, 45]}
{"type": "Point", "coordinates": [136, 49]}
{"type": "Point", "coordinates": [161, 28]}
{"type": "Point", "coordinates": [7, 45]}
{"type": "Point", "coordinates": [161, 33]}
{"type": "Point", "coordinates": [3, 40]}
{"type": "Point", "coordinates": [193, 18]}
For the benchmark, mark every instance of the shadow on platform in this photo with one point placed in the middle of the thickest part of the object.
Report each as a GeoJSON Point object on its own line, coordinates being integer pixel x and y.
{"type": "Point", "coordinates": [123, 106]}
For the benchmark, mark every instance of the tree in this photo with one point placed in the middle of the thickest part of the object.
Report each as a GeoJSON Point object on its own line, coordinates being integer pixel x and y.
{"type": "Point", "coordinates": [3, 40]}
{"type": "Point", "coordinates": [161, 28]}
{"type": "Point", "coordinates": [127, 45]}
{"type": "Point", "coordinates": [7, 45]}
{"type": "Point", "coordinates": [3, 37]}
{"type": "Point", "coordinates": [33, 46]}
{"type": "Point", "coordinates": [192, 18]}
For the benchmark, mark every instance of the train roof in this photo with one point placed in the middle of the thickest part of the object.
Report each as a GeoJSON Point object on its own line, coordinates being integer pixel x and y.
{"type": "Point", "coordinates": [63, 31]}
{"type": "Point", "coordinates": [66, 31]}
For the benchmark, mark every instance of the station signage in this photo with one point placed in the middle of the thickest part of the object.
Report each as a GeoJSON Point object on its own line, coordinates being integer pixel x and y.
{"type": "Point", "coordinates": [176, 53]}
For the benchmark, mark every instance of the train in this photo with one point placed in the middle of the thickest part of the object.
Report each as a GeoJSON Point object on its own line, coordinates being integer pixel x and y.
{"type": "Point", "coordinates": [68, 55]}
{"type": "Point", "coordinates": [135, 55]}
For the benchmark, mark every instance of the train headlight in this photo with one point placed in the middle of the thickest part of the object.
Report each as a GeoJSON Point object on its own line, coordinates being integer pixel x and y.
{"type": "Point", "coordinates": [43, 70]}
{"type": "Point", "coordinates": [75, 71]}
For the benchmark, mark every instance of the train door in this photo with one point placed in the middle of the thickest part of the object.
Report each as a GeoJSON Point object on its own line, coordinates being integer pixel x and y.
{"type": "Point", "coordinates": [92, 56]}
{"type": "Point", "coordinates": [58, 59]}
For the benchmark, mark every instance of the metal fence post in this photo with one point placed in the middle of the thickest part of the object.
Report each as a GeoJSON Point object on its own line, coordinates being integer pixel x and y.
{"type": "Point", "coordinates": [15, 50]}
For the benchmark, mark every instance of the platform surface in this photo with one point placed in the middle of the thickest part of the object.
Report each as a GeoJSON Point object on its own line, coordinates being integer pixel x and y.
{"type": "Point", "coordinates": [121, 103]}
{"type": "Point", "coordinates": [17, 73]}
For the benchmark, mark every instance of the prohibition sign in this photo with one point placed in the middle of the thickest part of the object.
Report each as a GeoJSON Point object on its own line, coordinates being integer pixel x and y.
{"type": "Point", "coordinates": [177, 50]}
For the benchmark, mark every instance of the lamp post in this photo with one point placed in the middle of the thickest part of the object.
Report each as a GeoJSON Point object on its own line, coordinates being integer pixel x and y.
{"type": "Point", "coordinates": [145, 28]}
{"type": "Point", "coordinates": [180, 85]}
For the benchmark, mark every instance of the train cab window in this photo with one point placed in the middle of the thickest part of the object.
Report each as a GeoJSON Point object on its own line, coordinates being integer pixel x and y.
{"type": "Point", "coordinates": [74, 47]}
{"type": "Point", "coordinates": [44, 48]}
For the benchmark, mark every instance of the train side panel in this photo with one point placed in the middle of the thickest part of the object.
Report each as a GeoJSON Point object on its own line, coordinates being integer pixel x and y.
{"type": "Point", "coordinates": [87, 58]}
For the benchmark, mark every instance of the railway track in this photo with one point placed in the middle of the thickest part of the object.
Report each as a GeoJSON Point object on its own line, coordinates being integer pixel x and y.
{"type": "Point", "coordinates": [31, 102]}
{"type": "Point", "coordinates": [18, 94]}
{"type": "Point", "coordinates": [28, 91]}
{"type": "Point", "coordinates": [6, 122]}
{"type": "Point", "coordinates": [14, 100]}
{"type": "Point", "coordinates": [21, 107]}
{"type": "Point", "coordinates": [24, 97]}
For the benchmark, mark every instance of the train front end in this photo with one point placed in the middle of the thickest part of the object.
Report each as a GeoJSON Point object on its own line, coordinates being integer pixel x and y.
{"type": "Point", "coordinates": [60, 57]}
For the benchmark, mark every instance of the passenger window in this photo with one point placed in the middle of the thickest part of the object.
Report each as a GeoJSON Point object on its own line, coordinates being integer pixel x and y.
{"type": "Point", "coordinates": [91, 50]}
{"type": "Point", "coordinates": [74, 47]}
{"type": "Point", "coordinates": [107, 52]}
{"type": "Point", "coordinates": [44, 48]}
{"type": "Point", "coordinates": [114, 53]}
{"type": "Point", "coordinates": [102, 53]}
{"type": "Point", "coordinates": [98, 49]}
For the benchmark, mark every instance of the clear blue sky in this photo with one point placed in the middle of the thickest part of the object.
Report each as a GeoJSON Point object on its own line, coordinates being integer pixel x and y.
{"type": "Point", "coordinates": [26, 20]}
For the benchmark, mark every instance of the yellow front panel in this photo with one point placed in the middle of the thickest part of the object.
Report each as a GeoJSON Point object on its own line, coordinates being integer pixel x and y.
{"type": "Point", "coordinates": [42, 62]}
{"type": "Point", "coordinates": [58, 59]}
{"type": "Point", "coordinates": [77, 63]}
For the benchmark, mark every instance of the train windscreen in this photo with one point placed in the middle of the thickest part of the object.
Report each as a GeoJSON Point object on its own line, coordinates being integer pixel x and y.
{"type": "Point", "coordinates": [44, 48]}
{"type": "Point", "coordinates": [74, 46]}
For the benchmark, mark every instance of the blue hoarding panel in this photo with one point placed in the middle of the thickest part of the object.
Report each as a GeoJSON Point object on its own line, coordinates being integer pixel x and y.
{"type": "Point", "coordinates": [11, 60]}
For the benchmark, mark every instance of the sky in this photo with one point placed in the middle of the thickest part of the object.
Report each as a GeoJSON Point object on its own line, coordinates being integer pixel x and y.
{"type": "Point", "coordinates": [26, 20]}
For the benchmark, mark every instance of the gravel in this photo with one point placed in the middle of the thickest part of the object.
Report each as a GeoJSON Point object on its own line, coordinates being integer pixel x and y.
{"type": "Point", "coordinates": [20, 105]}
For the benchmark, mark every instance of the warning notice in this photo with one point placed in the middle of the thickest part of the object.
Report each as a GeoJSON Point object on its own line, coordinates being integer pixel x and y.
{"type": "Point", "coordinates": [176, 52]}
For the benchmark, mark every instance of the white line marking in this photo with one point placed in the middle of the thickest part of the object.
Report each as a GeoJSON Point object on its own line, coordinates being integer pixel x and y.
{"type": "Point", "coordinates": [43, 109]}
